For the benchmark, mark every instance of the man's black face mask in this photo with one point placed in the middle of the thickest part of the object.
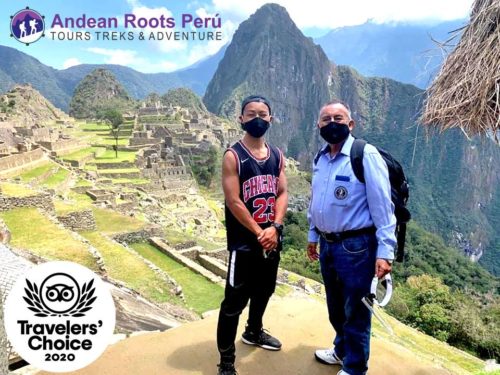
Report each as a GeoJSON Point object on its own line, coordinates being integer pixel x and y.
{"type": "Point", "coordinates": [334, 132]}
{"type": "Point", "coordinates": [256, 127]}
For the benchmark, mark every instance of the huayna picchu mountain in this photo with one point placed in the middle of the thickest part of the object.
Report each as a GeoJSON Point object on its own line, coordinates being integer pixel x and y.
{"type": "Point", "coordinates": [453, 179]}
{"type": "Point", "coordinates": [96, 92]}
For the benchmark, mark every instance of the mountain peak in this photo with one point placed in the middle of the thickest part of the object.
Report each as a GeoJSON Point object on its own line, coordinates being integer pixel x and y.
{"type": "Point", "coordinates": [24, 106]}
{"type": "Point", "coordinates": [98, 90]}
{"type": "Point", "coordinates": [270, 16]}
{"type": "Point", "coordinates": [270, 56]}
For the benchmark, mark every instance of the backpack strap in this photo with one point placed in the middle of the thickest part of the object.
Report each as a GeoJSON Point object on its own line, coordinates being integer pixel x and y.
{"type": "Point", "coordinates": [357, 149]}
{"type": "Point", "coordinates": [316, 158]}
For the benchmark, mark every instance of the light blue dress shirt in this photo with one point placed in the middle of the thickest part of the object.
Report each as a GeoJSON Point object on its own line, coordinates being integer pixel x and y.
{"type": "Point", "coordinates": [339, 202]}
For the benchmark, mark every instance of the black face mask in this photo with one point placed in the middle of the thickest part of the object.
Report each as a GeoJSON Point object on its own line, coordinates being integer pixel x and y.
{"type": "Point", "coordinates": [256, 127]}
{"type": "Point", "coordinates": [334, 132]}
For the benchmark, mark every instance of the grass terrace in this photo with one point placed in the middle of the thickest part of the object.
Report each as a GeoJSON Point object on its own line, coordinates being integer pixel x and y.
{"type": "Point", "coordinates": [175, 238]}
{"type": "Point", "coordinates": [111, 222]}
{"type": "Point", "coordinates": [108, 156]}
{"type": "Point", "coordinates": [16, 190]}
{"type": "Point", "coordinates": [130, 269]}
{"type": "Point", "coordinates": [75, 202]}
{"type": "Point", "coordinates": [31, 174]}
{"type": "Point", "coordinates": [56, 178]}
{"type": "Point", "coordinates": [201, 294]}
{"type": "Point", "coordinates": [32, 231]}
{"type": "Point", "coordinates": [79, 155]}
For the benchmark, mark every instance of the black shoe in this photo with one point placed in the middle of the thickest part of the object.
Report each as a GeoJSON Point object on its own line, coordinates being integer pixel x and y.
{"type": "Point", "coordinates": [226, 369]}
{"type": "Point", "coordinates": [262, 339]}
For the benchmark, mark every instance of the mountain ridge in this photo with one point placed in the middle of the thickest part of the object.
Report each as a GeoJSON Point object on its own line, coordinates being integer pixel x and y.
{"type": "Point", "coordinates": [58, 85]}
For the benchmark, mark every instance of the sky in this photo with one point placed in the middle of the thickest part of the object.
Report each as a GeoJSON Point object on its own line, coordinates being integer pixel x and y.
{"type": "Point", "coordinates": [314, 17]}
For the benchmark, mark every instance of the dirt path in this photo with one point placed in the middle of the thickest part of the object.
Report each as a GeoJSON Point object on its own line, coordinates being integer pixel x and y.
{"type": "Point", "coordinates": [300, 323]}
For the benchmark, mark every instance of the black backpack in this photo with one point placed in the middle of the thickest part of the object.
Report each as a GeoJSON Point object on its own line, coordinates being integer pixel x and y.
{"type": "Point", "coordinates": [400, 190]}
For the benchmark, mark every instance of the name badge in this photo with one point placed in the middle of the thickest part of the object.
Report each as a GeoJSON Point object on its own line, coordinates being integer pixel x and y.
{"type": "Point", "coordinates": [342, 178]}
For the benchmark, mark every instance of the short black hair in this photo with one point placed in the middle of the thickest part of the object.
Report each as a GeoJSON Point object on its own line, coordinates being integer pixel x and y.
{"type": "Point", "coordinates": [255, 98]}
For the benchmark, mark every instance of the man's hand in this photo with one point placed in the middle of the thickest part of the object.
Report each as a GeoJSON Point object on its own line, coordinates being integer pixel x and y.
{"type": "Point", "coordinates": [312, 252]}
{"type": "Point", "coordinates": [382, 268]}
{"type": "Point", "coordinates": [268, 238]}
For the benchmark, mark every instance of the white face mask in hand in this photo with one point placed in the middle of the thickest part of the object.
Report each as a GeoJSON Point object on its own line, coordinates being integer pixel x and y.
{"type": "Point", "coordinates": [370, 301]}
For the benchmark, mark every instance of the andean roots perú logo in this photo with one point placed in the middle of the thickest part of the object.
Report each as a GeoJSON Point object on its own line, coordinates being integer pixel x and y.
{"type": "Point", "coordinates": [27, 26]}
{"type": "Point", "coordinates": [59, 295]}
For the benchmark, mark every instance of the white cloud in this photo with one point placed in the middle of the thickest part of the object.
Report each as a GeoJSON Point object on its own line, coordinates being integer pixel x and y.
{"type": "Point", "coordinates": [332, 14]}
{"type": "Point", "coordinates": [168, 66]}
{"type": "Point", "coordinates": [71, 62]}
{"type": "Point", "coordinates": [141, 11]}
{"type": "Point", "coordinates": [211, 47]}
{"type": "Point", "coordinates": [116, 56]}
{"type": "Point", "coordinates": [132, 59]}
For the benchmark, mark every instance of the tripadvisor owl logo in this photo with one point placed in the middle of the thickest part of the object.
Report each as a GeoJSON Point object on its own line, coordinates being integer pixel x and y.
{"type": "Point", "coordinates": [60, 316]}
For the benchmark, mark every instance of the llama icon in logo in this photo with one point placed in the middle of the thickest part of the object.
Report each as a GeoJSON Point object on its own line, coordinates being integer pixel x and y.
{"type": "Point", "coordinates": [27, 26]}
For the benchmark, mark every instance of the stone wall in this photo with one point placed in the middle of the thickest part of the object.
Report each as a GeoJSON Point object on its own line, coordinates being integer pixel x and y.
{"type": "Point", "coordinates": [42, 201]}
{"type": "Point", "coordinates": [185, 245]}
{"type": "Point", "coordinates": [80, 220]}
{"type": "Point", "coordinates": [4, 359]}
{"type": "Point", "coordinates": [101, 195]}
{"type": "Point", "coordinates": [125, 208]}
{"type": "Point", "coordinates": [81, 163]}
{"type": "Point", "coordinates": [142, 235]}
{"type": "Point", "coordinates": [213, 265]}
{"type": "Point", "coordinates": [193, 266]}
{"type": "Point", "coordinates": [222, 255]}
{"type": "Point", "coordinates": [130, 175]}
{"type": "Point", "coordinates": [18, 161]}
{"type": "Point", "coordinates": [63, 146]}
{"type": "Point", "coordinates": [121, 165]}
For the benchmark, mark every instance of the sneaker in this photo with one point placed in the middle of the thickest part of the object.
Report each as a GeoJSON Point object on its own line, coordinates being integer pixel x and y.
{"type": "Point", "coordinates": [262, 339]}
{"type": "Point", "coordinates": [328, 357]}
{"type": "Point", "coordinates": [226, 369]}
{"type": "Point", "coordinates": [342, 372]}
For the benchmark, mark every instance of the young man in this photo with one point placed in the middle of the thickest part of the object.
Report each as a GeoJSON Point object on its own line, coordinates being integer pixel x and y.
{"type": "Point", "coordinates": [354, 223]}
{"type": "Point", "coordinates": [254, 185]}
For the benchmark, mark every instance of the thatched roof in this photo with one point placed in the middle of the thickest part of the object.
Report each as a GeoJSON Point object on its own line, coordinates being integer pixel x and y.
{"type": "Point", "coordinates": [466, 92]}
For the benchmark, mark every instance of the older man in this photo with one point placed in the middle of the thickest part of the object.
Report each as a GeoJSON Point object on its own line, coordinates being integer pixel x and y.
{"type": "Point", "coordinates": [354, 224]}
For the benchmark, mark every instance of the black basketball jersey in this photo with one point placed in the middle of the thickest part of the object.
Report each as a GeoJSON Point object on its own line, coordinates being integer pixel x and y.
{"type": "Point", "coordinates": [258, 191]}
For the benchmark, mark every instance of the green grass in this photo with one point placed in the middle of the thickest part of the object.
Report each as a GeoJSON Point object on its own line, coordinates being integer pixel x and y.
{"type": "Point", "coordinates": [109, 141]}
{"type": "Point", "coordinates": [128, 268]}
{"type": "Point", "coordinates": [119, 171]}
{"type": "Point", "coordinates": [57, 178]}
{"type": "Point", "coordinates": [82, 182]}
{"type": "Point", "coordinates": [76, 202]}
{"type": "Point", "coordinates": [175, 238]}
{"type": "Point", "coordinates": [109, 156]}
{"type": "Point", "coordinates": [36, 172]}
{"type": "Point", "coordinates": [113, 222]}
{"type": "Point", "coordinates": [134, 181]}
{"type": "Point", "coordinates": [34, 232]}
{"type": "Point", "coordinates": [201, 294]}
{"type": "Point", "coordinates": [15, 190]}
{"type": "Point", "coordinates": [78, 155]}
{"type": "Point", "coordinates": [453, 359]}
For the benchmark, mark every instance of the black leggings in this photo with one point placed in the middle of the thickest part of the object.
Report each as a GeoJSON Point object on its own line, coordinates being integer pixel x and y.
{"type": "Point", "coordinates": [251, 277]}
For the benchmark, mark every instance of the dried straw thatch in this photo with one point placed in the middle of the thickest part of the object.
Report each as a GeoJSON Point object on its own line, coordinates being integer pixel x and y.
{"type": "Point", "coordinates": [466, 92]}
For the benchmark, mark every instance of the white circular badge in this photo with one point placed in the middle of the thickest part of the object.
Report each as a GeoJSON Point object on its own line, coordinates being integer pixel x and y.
{"type": "Point", "coordinates": [59, 316]}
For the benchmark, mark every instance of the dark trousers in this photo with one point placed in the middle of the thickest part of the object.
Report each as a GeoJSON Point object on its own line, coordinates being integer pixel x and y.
{"type": "Point", "coordinates": [347, 268]}
{"type": "Point", "coordinates": [251, 277]}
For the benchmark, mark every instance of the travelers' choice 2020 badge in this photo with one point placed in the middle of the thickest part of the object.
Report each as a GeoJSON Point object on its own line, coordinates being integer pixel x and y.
{"type": "Point", "coordinates": [60, 316]}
